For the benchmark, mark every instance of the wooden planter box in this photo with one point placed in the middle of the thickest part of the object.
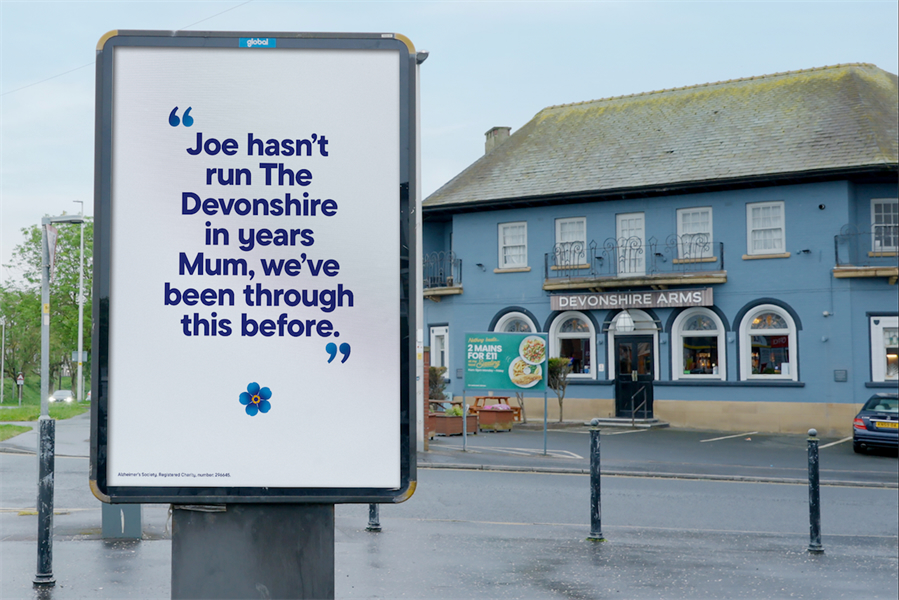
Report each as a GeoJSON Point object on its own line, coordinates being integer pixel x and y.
{"type": "Point", "coordinates": [445, 425]}
{"type": "Point", "coordinates": [495, 420]}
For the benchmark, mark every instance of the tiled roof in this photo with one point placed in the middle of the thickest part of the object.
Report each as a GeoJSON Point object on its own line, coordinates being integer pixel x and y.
{"type": "Point", "coordinates": [815, 120]}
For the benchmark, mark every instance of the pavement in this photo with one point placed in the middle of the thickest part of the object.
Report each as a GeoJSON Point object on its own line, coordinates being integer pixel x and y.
{"type": "Point", "coordinates": [513, 554]}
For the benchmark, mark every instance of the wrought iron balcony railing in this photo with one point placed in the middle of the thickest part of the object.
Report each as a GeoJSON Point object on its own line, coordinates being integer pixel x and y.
{"type": "Point", "coordinates": [441, 270]}
{"type": "Point", "coordinates": [876, 248]}
{"type": "Point", "coordinates": [632, 257]}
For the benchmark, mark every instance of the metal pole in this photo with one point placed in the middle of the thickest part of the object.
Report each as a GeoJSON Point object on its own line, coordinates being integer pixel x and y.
{"type": "Point", "coordinates": [464, 422]}
{"type": "Point", "coordinates": [374, 520]}
{"type": "Point", "coordinates": [81, 309]}
{"type": "Point", "coordinates": [45, 319]}
{"type": "Point", "coordinates": [545, 401]}
{"type": "Point", "coordinates": [595, 488]}
{"type": "Point", "coordinates": [47, 441]}
{"type": "Point", "coordinates": [44, 576]}
{"type": "Point", "coordinates": [814, 495]}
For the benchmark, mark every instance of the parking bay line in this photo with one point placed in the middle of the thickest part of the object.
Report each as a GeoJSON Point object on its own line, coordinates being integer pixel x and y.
{"type": "Point", "coordinates": [727, 437]}
{"type": "Point", "coordinates": [835, 443]}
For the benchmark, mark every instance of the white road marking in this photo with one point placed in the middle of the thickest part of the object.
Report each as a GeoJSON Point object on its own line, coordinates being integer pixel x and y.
{"type": "Point", "coordinates": [727, 437]}
{"type": "Point", "coordinates": [522, 451]}
{"type": "Point", "coordinates": [835, 443]}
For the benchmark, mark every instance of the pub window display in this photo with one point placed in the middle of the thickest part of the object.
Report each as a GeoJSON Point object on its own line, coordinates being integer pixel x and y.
{"type": "Point", "coordinates": [572, 334]}
{"type": "Point", "coordinates": [770, 344]}
{"type": "Point", "coordinates": [699, 342]}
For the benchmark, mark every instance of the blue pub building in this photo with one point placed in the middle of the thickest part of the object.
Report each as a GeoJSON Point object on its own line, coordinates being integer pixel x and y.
{"type": "Point", "coordinates": [718, 256]}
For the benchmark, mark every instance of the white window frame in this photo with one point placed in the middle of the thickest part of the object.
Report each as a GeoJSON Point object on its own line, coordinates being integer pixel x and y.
{"type": "Point", "coordinates": [677, 349]}
{"type": "Point", "coordinates": [500, 242]}
{"type": "Point", "coordinates": [437, 332]}
{"type": "Point", "coordinates": [581, 257]}
{"type": "Point", "coordinates": [746, 344]}
{"type": "Point", "coordinates": [750, 250]}
{"type": "Point", "coordinates": [512, 316]}
{"type": "Point", "coordinates": [630, 265]}
{"type": "Point", "coordinates": [878, 348]}
{"type": "Point", "coordinates": [875, 247]}
{"type": "Point", "coordinates": [706, 252]}
{"type": "Point", "coordinates": [555, 336]}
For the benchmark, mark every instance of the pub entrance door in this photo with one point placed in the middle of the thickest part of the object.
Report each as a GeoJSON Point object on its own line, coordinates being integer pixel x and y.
{"type": "Point", "coordinates": [634, 377]}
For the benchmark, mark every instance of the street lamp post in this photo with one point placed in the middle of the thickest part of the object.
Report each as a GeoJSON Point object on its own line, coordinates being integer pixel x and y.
{"type": "Point", "coordinates": [81, 308]}
{"type": "Point", "coordinates": [47, 437]}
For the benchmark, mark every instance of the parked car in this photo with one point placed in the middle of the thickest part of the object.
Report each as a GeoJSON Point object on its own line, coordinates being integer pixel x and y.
{"type": "Point", "coordinates": [877, 424]}
{"type": "Point", "coordinates": [62, 396]}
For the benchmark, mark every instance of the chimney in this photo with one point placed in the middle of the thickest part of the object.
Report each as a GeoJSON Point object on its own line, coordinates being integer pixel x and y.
{"type": "Point", "coordinates": [495, 137]}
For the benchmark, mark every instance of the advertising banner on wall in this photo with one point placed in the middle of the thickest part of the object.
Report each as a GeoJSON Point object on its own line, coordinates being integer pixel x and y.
{"type": "Point", "coordinates": [506, 361]}
{"type": "Point", "coordinates": [255, 256]}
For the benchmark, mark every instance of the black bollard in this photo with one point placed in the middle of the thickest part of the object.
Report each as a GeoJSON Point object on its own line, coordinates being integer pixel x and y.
{"type": "Point", "coordinates": [595, 496]}
{"type": "Point", "coordinates": [814, 495]}
{"type": "Point", "coordinates": [46, 463]}
{"type": "Point", "coordinates": [374, 520]}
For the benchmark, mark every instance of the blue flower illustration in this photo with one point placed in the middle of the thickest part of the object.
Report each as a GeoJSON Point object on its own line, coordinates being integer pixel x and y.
{"type": "Point", "coordinates": [256, 399]}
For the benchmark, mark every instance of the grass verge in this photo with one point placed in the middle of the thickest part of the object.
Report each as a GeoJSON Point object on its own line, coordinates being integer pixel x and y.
{"type": "Point", "coordinates": [9, 431]}
{"type": "Point", "coordinates": [32, 413]}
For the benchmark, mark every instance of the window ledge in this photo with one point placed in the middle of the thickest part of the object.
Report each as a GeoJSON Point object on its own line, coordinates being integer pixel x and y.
{"type": "Point", "coordinates": [764, 256]}
{"type": "Point", "coordinates": [706, 383]}
{"type": "Point", "coordinates": [570, 268]}
{"type": "Point", "coordinates": [591, 382]}
{"type": "Point", "coordinates": [882, 384]}
{"type": "Point", "coordinates": [513, 270]}
{"type": "Point", "coordinates": [687, 261]}
{"type": "Point", "coordinates": [882, 254]}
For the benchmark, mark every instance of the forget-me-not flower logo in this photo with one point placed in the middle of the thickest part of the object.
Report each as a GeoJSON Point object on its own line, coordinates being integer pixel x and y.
{"type": "Point", "coordinates": [256, 399]}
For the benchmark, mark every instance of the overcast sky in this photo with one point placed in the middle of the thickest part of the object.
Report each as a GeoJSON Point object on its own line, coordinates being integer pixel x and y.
{"type": "Point", "coordinates": [491, 63]}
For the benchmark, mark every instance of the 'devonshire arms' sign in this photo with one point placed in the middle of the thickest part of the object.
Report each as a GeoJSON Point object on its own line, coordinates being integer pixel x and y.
{"type": "Point", "coordinates": [652, 299]}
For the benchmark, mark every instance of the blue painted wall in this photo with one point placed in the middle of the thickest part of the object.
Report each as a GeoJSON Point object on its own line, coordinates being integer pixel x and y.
{"type": "Point", "coordinates": [804, 282]}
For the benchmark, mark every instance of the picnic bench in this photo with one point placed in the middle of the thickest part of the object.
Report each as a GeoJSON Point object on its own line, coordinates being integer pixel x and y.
{"type": "Point", "coordinates": [481, 401]}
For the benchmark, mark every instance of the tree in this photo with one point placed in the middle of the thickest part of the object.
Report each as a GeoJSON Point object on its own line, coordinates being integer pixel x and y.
{"type": "Point", "coordinates": [436, 383]}
{"type": "Point", "coordinates": [23, 298]}
{"type": "Point", "coordinates": [22, 311]}
{"type": "Point", "coordinates": [559, 368]}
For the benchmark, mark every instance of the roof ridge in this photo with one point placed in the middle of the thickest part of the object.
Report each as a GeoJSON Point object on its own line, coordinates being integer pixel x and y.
{"type": "Point", "coordinates": [709, 84]}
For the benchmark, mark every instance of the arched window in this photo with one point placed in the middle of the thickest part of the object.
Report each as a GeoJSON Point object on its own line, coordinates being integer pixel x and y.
{"type": "Point", "coordinates": [768, 344]}
{"type": "Point", "coordinates": [515, 322]}
{"type": "Point", "coordinates": [572, 336]}
{"type": "Point", "coordinates": [698, 347]}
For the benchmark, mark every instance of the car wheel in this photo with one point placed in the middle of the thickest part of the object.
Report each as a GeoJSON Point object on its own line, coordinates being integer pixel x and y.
{"type": "Point", "coordinates": [858, 449]}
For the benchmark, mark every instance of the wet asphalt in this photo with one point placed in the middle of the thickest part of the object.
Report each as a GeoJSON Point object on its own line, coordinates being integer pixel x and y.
{"type": "Point", "coordinates": [686, 515]}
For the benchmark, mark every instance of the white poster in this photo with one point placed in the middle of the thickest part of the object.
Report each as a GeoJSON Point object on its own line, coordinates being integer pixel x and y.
{"type": "Point", "coordinates": [254, 313]}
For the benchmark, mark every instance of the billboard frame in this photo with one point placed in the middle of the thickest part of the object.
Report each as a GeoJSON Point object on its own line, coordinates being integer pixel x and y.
{"type": "Point", "coordinates": [407, 266]}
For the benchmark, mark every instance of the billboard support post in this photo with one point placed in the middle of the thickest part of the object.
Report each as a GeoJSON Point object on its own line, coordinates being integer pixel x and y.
{"type": "Point", "coordinates": [545, 423]}
{"type": "Point", "coordinates": [464, 422]}
{"type": "Point", "coordinates": [253, 551]}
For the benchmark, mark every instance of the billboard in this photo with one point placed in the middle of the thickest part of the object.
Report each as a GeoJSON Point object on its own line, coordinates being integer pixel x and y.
{"type": "Point", "coordinates": [254, 266]}
{"type": "Point", "coordinates": [506, 361]}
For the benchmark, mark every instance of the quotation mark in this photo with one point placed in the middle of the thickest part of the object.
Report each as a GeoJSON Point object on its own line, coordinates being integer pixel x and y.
{"type": "Point", "coordinates": [331, 349]}
{"type": "Point", "coordinates": [174, 121]}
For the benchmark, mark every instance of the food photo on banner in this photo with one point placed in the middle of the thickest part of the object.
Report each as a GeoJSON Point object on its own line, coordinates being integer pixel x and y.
{"type": "Point", "coordinates": [506, 361]}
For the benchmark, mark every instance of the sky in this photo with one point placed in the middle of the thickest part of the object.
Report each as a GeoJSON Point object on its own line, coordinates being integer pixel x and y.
{"type": "Point", "coordinates": [490, 64]}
